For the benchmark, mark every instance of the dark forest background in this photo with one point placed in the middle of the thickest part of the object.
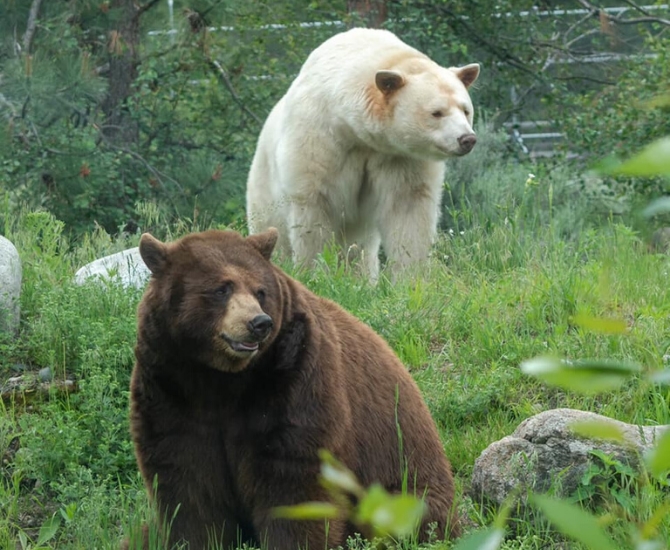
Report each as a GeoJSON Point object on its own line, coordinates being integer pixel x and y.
{"type": "Point", "coordinates": [109, 104]}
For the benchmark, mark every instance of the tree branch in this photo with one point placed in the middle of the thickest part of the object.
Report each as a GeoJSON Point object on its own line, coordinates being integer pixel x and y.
{"type": "Point", "coordinates": [32, 25]}
{"type": "Point", "coordinates": [595, 10]}
{"type": "Point", "coordinates": [146, 7]}
{"type": "Point", "coordinates": [223, 75]}
{"type": "Point", "coordinates": [501, 53]}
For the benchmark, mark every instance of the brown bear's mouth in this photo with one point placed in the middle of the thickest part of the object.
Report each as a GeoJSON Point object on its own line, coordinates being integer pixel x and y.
{"type": "Point", "coordinates": [242, 347]}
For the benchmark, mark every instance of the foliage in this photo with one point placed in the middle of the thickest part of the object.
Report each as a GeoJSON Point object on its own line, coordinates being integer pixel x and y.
{"type": "Point", "coordinates": [191, 114]}
{"type": "Point", "coordinates": [599, 376]}
{"type": "Point", "coordinates": [488, 299]}
{"type": "Point", "coordinates": [107, 105]}
{"type": "Point", "coordinates": [618, 117]}
{"type": "Point", "coordinates": [376, 512]}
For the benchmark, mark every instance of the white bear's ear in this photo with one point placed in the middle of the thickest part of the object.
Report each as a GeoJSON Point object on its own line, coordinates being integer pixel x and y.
{"type": "Point", "coordinates": [389, 81]}
{"type": "Point", "coordinates": [154, 253]}
{"type": "Point", "coordinates": [467, 74]}
{"type": "Point", "coordinates": [264, 242]}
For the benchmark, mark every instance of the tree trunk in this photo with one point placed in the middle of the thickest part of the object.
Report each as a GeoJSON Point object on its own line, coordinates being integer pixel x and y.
{"type": "Point", "coordinates": [372, 12]}
{"type": "Point", "coordinates": [123, 48]}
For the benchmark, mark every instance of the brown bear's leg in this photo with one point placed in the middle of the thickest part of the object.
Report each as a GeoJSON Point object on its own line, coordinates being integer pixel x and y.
{"type": "Point", "coordinates": [441, 512]}
{"type": "Point", "coordinates": [282, 534]}
{"type": "Point", "coordinates": [217, 530]}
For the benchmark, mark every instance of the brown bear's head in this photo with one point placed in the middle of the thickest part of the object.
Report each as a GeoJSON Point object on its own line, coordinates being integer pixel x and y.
{"type": "Point", "coordinates": [216, 293]}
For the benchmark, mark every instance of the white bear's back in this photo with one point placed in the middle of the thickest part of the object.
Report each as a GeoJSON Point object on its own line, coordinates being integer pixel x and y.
{"type": "Point", "coordinates": [348, 62]}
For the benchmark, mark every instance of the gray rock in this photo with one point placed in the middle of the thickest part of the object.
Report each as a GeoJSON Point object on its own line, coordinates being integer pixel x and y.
{"type": "Point", "coordinates": [126, 267]}
{"type": "Point", "coordinates": [660, 241]}
{"type": "Point", "coordinates": [544, 452]}
{"type": "Point", "coordinates": [45, 374]}
{"type": "Point", "coordinates": [10, 286]}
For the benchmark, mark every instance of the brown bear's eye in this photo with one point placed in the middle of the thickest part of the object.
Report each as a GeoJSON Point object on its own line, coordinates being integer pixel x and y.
{"type": "Point", "coordinates": [224, 289]}
{"type": "Point", "coordinates": [260, 295]}
{"type": "Point", "coordinates": [437, 114]}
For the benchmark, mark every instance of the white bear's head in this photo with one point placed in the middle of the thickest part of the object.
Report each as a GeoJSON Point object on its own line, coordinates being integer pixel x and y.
{"type": "Point", "coordinates": [425, 110]}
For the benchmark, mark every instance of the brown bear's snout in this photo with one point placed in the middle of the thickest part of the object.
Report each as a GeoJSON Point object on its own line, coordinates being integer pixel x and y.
{"type": "Point", "coordinates": [466, 142]}
{"type": "Point", "coordinates": [260, 326]}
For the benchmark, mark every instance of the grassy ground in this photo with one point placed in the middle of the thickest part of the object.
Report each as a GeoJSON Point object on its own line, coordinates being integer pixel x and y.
{"type": "Point", "coordinates": [502, 288]}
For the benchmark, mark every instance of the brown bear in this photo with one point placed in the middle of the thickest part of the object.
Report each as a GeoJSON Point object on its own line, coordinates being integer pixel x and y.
{"type": "Point", "coordinates": [242, 375]}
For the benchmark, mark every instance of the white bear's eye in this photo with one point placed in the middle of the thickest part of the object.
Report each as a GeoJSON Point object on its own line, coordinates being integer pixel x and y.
{"type": "Point", "coordinates": [466, 112]}
{"type": "Point", "coordinates": [438, 114]}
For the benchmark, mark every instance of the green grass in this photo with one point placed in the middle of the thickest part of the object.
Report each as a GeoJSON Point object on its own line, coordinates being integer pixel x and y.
{"type": "Point", "coordinates": [503, 288]}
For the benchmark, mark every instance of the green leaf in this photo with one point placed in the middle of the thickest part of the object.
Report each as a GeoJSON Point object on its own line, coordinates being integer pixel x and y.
{"type": "Point", "coordinates": [597, 429]}
{"type": "Point", "coordinates": [649, 545]}
{"type": "Point", "coordinates": [601, 325]}
{"type": "Point", "coordinates": [48, 530]}
{"type": "Point", "coordinates": [483, 539]}
{"type": "Point", "coordinates": [660, 101]}
{"type": "Point", "coordinates": [307, 511]}
{"type": "Point", "coordinates": [660, 377]}
{"type": "Point", "coordinates": [335, 475]}
{"type": "Point", "coordinates": [651, 527]}
{"type": "Point", "coordinates": [653, 160]}
{"type": "Point", "coordinates": [586, 376]}
{"type": "Point", "coordinates": [395, 515]}
{"type": "Point", "coordinates": [574, 522]}
{"type": "Point", "coordinates": [660, 205]}
{"type": "Point", "coordinates": [658, 457]}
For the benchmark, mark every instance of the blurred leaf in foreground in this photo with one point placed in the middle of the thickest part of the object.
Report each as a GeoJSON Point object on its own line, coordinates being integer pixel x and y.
{"type": "Point", "coordinates": [658, 457]}
{"type": "Point", "coordinates": [394, 515]}
{"type": "Point", "coordinates": [599, 324]}
{"type": "Point", "coordinates": [660, 101]}
{"type": "Point", "coordinates": [597, 429]}
{"type": "Point", "coordinates": [336, 476]}
{"type": "Point", "coordinates": [586, 376]}
{"type": "Point", "coordinates": [658, 206]}
{"type": "Point", "coordinates": [483, 539]}
{"type": "Point", "coordinates": [660, 377]}
{"type": "Point", "coordinates": [574, 522]}
{"type": "Point", "coordinates": [308, 511]}
{"type": "Point", "coordinates": [653, 160]}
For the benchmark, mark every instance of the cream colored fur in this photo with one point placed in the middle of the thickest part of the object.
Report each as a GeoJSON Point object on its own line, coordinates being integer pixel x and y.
{"type": "Point", "coordinates": [356, 149]}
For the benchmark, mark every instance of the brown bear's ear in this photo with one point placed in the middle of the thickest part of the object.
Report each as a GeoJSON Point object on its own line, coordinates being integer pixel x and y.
{"type": "Point", "coordinates": [467, 74]}
{"type": "Point", "coordinates": [153, 252]}
{"type": "Point", "coordinates": [389, 81]}
{"type": "Point", "coordinates": [264, 242]}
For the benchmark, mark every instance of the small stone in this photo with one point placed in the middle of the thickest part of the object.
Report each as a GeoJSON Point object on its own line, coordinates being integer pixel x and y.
{"type": "Point", "coordinates": [10, 287]}
{"type": "Point", "coordinates": [45, 374]}
{"type": "Point", "coordinates": [126, 267]}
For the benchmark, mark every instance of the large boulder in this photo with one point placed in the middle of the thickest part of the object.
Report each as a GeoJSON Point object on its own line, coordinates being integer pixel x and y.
{"type": "Point", "coordinates": [10, 286]}
{"type": "Point", "coordinates": [544, 452]}
{"type": "Point", "coordinates": [125, 267]}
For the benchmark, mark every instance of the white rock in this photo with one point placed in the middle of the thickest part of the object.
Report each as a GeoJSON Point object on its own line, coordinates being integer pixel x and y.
{"type": "Point", "coordinates": [543, 451]}
{"type": "Point", "coordinates": [10, 286]}
{"type": "Point", "coordinates": [126, 267]}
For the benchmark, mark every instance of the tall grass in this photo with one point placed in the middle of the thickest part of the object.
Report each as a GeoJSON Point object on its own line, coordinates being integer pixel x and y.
{"type": "Point", "coordinates": [521, 260]}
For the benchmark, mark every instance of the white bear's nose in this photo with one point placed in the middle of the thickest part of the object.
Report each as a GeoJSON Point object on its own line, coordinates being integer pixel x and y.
{"type": "Point", "coordinates": [467, 142]}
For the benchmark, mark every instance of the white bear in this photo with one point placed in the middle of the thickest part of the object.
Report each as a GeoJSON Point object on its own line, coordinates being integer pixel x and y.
{"type": "Point", "coordinates": [356, 148]}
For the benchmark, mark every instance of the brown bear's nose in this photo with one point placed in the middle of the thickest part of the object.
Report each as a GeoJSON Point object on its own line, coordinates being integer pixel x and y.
{"type": "Point", "coordinates": [467, 142]}
{"type": "Point", "coordinates": [260, 325]}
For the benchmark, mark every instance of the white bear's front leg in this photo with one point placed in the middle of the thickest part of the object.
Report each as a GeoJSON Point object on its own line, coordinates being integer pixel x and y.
{"type": "Point", "coordinates": [310, 228]}
{"type": "Point", "coordinates": [409, 211]}
{"type": "Point", "coordinates": [370, 255]}
{"type": "Point", "coordinates": [408, 236]}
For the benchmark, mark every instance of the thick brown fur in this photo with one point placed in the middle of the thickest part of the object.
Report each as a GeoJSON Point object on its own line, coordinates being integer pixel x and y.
{"type": "Point", "coordinates": [230, 433]}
